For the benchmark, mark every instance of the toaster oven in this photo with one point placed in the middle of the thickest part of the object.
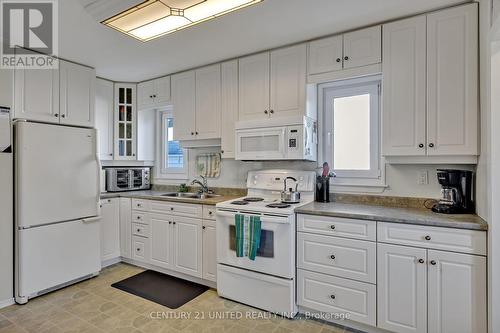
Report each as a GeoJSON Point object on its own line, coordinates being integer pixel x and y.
{"type": "Point", "coordinates": [128, 179]}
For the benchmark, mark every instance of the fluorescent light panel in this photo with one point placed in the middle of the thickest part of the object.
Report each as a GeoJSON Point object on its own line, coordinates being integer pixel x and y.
{"type": "Point", "coordinates": [155, 18]}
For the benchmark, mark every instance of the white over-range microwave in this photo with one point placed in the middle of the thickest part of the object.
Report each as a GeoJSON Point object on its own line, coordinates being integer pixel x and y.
{"type": "Point", "coordinates": [290, 138]}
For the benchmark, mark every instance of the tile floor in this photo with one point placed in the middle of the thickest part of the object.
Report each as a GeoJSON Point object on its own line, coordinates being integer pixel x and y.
{"type": "Point", "coordinates": [93, 306]}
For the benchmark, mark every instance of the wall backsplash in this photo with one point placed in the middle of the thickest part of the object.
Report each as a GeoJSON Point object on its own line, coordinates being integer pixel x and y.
{"type": "Point", "coordinates": [401, 179]}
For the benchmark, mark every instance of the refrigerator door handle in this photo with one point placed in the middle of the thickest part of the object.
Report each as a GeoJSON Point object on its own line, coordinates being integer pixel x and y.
{"type": "Point", "coordinates": [98, 178]}
{"type": "Point", "coordinates": [92, 219]}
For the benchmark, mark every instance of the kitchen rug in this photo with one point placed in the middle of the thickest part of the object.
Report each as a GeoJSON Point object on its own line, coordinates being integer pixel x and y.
{"type": "Point", "coordinates": [163, 289]}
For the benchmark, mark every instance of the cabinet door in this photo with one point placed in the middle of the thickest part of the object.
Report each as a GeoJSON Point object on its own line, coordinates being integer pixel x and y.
{"type": "Point", "coordinates": [253, 90]}
{"type": "Point", "coordinates": [77, 94]}
{"type": "Point", "coordinates": [125, 227]}
{"type": "Point", "coordinates": [162, 91]}
{"type": "Point", "coordinates": [209, 251]}
{"type": "Point", "coordinates": [36, 95]}
{"type": "Point", "coordinates": [125, 122]}
{"type": "Point", "coordinates": [457, 285]}
{"type": "Point", "coordinates": [229, 107]}
{"type": "Point", "coordinates": [187, 245]}
{"type": "Point", "coordinates": [208, 106]}
{"type": "Point", "coordinates": [145, 95]}
{"type": "Point", "coordinates": [183, 100]}
{"type": "Point", "coordinates": [363, 47]}
{"type": "Point", "coordinates": [110, 229]}
{"type": "Point", "coordinates": [288, 81]}
{"type": "Point", "coordinates": [325, 55]}
{"type": "Point", "coordinates": [104, 117]}
{"type": "Point", "coordinates": [452, 81]}
{"type": "Point", "coordinates": [404, 102]}
{"type": "Point", "coordinates": [402, 288]}
{"type": "Point", "coordinates": [161, 240]}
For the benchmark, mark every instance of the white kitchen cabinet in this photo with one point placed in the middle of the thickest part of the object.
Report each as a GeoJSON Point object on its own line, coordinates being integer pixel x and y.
{"type": "Point", "coordinates": [36, 95]}
{"type": "Point", "coordinates": [209, 250]}
{"type": "Point", "coordinates": [325, 55]}
{"type": "Point", "coordinates": [125, 227]}
{"type": "Point", "coordinates": [146, 135]}
{"type": "Point", "coordinates": [288, 81]}
{"type": "Point", "coordinates": [404, 85]}
{"type": "Point", "coordinates": [253, 89]}
{"type": "Point", "coordinates": [273, 84]}
{"type": "Point", "coordinates": [76, 94]}
{"type": "Point", "coordinates": [110, 229]}
{"type": "Point", "coordinates": [184, 105]}
{"type": "Point", "coordinates": [402, 288]}
{"type": "Point", "coordinates": [208, 103]}
{"type": "Point", "coordinates": [153, 94]}
{"type": "Point", "coordinates": [363, 47]}
{"type": "Point", "coordinates": [187, 242]}
{"type": "Point", "coordinates": [104, 111]}
{"type": "Point", "coordinates": [452, 81]}
{"type": "Point", "coordinates": [161, 227]}
{"type": "Point", "coordinates": [229, 107]}
{"type": "Point", "coordinates": [125, 131]}
{"type": "Point", "coordinates": [457, 295]}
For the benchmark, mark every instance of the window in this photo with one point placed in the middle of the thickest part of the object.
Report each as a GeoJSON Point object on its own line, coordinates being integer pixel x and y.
{"type": "Point", "coordinates": [351, 125]}
{"type": "Point", "coordinates": [173, 157]}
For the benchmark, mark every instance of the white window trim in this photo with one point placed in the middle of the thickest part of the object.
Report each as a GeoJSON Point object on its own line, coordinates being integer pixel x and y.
{"type": "Point", "coordinates": [163, 173]}
{"type": "Point", "coordinates": [352, 181]}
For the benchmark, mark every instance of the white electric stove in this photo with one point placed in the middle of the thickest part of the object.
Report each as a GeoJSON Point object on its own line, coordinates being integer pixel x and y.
{"type": "Point", "coordinates": [268, 282]}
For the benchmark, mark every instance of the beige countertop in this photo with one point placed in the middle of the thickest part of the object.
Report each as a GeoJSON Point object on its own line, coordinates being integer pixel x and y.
{"type": "Point", "coordinates": [396, 215]}
{"type": "Point", "coordinates": [157, 195]}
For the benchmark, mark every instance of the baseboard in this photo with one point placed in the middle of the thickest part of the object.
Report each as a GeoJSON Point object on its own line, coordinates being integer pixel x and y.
{"type": "Point", "coordinates": [108, 262]}
{"type": "Point", "coordinates": [183, 276]}
{"type": "Point", "coordinates": [7, 302]}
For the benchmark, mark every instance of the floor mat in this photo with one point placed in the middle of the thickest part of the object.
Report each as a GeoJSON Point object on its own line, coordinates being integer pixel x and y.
{"type": "Point", "coordinates": [163, 289]}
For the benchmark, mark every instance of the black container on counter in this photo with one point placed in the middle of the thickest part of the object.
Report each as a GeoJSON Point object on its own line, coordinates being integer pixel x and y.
{"type": "Point", "coordinates": [322, 189]}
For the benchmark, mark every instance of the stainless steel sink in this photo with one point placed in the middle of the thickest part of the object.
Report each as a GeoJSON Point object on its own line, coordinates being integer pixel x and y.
{"type": "Point", "coordinates": [191, 195]}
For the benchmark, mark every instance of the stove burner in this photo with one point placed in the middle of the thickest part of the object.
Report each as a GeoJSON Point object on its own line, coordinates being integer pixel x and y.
{"type": "Point", "coordinates": [253, 199]}
{"type": "Point", "coordinates": [278, 205]}
{"type": "Point", "coordinates": [239, 203]}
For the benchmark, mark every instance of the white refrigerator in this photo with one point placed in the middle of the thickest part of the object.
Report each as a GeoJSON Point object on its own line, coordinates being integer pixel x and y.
{"type": "Point", "coordinates": [57, 185]}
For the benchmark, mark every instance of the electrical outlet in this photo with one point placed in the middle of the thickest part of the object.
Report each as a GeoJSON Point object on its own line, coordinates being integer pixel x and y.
{"type": "Point", "coordinates": [423, 177]}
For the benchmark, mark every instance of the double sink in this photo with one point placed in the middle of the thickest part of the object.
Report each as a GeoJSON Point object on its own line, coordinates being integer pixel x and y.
{"type": "Point", "coordinates": [188, 195]}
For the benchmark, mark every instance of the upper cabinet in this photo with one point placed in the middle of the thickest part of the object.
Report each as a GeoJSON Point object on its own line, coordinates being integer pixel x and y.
{"type": "Point", "coordinates": [65, 95]}
{"type": "Point", "coordinates": [229, 106]}
{"type": "Point", "coordinates": [430, 84]}
{"type": "Point", "coordinates": [153, 94]}
{"type": "Point", "coordinates": [273, 84]}
{"type": "Point", "coordinates": [76, 94]}
{"type": "Point", "coordinates": [125, 122]}
{"type": "Point", "coordinates": [196, 100]}
{"type": "Point", "coordinates": [104, 117]}
{"type": "Point", "coordinates": [354, 49]}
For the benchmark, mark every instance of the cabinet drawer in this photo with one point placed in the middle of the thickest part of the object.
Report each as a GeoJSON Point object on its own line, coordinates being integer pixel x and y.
{"type": "Point", "coordinates": [140, 230]}
{"type": "Point", "coordinates": [209, 212]}
{"type": "Point", "coordinates": [448, 239]}
{"type": "Point", "coordinates": [187, 210]}
{"type": "Point", "coordinates": [337, 226]}
{"type": "Point", "coordinates": [347, 258]}
{"type": "Point", "coordinates": [330, 294]}
{"type": "Point", "coordinates": [141, 204]}
{"type": "Point", "coordinates": [140, 217]}
{"type": "Point", "coordinates": [140, 248]}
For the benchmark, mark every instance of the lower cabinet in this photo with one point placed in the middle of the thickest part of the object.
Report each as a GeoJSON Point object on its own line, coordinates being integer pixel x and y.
{"type": "Point", "coordinates": [209, 251]}
{"type": "Point", "coordinates": [161, 240]}
{"type": "Point", "coordinates": [125, 227]}
{"type": "Point", "coordinates": [110, 229]}
{"type": "Point", "coordinates": [187, 245]}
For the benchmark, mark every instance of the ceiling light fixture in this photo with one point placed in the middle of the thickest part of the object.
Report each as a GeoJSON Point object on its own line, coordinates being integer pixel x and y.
{"type": "Point", "coordinates": [155, 18]}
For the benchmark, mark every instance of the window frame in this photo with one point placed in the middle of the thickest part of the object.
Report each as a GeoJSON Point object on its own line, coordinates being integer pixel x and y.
{"type": "Point", "coordinates": [163, 171]}
{"type": "Point", "coordinates": [375, 177]}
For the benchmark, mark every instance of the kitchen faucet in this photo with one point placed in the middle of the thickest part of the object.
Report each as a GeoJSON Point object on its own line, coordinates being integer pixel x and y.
{"type": "Point", "coordinates": [203, 184]}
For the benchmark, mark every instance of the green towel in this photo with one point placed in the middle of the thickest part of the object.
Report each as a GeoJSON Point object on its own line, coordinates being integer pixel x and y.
{"type": "Point", "coordinates": [248, 230]}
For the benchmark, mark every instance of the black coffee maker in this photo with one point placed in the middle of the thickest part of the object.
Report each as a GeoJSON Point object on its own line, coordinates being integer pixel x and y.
{"type": "Point", "coordinates": [457, 196]}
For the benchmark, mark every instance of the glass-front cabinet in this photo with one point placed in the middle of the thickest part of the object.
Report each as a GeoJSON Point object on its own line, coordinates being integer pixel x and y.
{"type": "Point", "coordinates": [125, 121]}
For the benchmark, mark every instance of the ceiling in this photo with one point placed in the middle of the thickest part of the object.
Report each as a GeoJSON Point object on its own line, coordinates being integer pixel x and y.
{"type": "Point", "coordinates": [266, 25]}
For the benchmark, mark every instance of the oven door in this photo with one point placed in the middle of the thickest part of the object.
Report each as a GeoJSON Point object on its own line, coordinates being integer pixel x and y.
{"type": "Point", "coordinates": [276, 255]}
{"type": "Point", "coordinates": [261, 144]}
